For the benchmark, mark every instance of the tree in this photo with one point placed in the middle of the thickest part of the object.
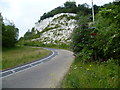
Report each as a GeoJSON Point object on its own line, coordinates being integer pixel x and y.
{"type": "Point", "coordinates": [9, 35]}
{"type": "Point", "coordinates": [69, 4]}
{"type": "Point", "coordinates": [84, 9]}
{"type": "Point", "coordinates": [69, 7]}
{"type": "Point", "coordinates": [28, 35]}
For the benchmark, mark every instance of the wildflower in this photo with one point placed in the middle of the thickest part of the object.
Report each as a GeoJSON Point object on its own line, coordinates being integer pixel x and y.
{"type": "Point", "coordinates": [88, 69]}
{"type": "Point", "coordinates": [93, 34]}
{"type": "Point", "coordinates": [90, 65]}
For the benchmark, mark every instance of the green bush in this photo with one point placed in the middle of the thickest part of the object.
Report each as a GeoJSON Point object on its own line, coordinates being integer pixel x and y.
{"type": "Point", "coordinates": [101, 43]}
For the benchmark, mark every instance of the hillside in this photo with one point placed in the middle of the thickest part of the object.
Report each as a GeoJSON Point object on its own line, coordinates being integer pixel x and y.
{"type": "Point", "coordinates": [56, 29]}
{"type": "Point", "coordinates": [69, 7]}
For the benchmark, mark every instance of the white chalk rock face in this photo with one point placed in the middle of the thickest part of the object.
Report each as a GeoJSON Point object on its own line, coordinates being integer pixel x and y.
{"type": "Point", "coordinates": [56, 29]}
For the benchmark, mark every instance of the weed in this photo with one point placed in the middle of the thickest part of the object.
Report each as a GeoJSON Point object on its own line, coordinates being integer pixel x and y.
{"type": "Point", "coordinates": [92, 75]}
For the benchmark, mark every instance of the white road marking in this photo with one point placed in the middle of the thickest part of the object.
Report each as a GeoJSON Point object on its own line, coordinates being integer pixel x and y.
{"type": "Point", "coordinates": [30, 64]}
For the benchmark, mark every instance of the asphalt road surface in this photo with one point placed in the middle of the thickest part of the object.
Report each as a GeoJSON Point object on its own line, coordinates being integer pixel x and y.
{"type": "Point", "coordinates": [47, 74]}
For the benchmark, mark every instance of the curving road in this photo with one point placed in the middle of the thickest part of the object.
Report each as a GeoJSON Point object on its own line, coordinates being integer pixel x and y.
{"type": "Point", "coordinates": [46, 74]}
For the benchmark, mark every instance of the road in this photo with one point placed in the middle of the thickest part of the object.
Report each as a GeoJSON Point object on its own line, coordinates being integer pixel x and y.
{"type": "Point", "coordinates": [47, 74]}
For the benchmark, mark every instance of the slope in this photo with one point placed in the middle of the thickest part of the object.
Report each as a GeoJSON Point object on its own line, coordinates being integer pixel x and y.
{"type": "Point", "coordinates": [57, 29]}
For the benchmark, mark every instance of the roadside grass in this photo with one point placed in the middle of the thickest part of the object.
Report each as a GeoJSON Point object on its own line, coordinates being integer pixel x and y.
{"type": "Point", "coordinates": [57, 47]}
{"type": "Point", "coordinates": [92, 75]}
{"type": "Point", "coordinates": [20, 55]}
{"type": "Point", "coordinates": [38, 44]}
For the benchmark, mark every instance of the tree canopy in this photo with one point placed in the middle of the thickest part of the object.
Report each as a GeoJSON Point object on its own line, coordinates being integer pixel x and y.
{"type": "Point", "coordinates": [70, 7]}
{"type": "Point", "coordinates": [9, 35]}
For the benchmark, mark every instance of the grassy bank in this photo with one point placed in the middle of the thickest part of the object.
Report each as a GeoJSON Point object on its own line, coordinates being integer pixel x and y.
{"type": "Point", "coordinates": [92, 75]}
{"type": "Point", "coordinates": [20, 55]}
{"type": "Point", "coordinates": [41, 44]}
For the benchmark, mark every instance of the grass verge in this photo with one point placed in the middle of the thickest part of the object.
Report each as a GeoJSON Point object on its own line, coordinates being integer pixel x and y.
{"type": "Point", "coordinates": [92, 75]}
{"type": "Point", "coordinates": [20, 55]}
{"type": "Point", "coordinates": [41, 44]}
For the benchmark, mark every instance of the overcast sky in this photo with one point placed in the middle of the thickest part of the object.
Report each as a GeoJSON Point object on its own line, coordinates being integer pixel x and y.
{"type": "Point", "coordinates": [24, 13]}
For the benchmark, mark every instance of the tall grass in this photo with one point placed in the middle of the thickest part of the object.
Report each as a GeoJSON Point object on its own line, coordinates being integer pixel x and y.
{"type": "Point", "coordinates": [92, 75]}
{"type": "Point", "coordinates": [21, 55]}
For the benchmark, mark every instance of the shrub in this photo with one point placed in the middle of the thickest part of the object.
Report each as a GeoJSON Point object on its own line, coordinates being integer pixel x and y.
{"type": "Point", "coordinates": [101, 43]}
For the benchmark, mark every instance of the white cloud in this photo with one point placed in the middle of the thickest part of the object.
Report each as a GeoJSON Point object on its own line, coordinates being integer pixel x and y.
{"type": "Point", "coordinates": [25, 13]}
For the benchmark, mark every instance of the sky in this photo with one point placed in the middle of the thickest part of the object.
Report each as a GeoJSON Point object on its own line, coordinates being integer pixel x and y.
{"type": "Point", "coordinates": [25, 13]}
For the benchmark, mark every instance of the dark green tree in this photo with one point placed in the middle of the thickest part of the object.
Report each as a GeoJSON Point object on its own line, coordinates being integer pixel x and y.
{"type": "Point", "coordinates": [69, 7]}
{"type": "Point", "coordinates": [28, 35]}
{"type": "Point", "coordinates": [9, 35]}
{"type": "Point", "coordinates": [69, 4]}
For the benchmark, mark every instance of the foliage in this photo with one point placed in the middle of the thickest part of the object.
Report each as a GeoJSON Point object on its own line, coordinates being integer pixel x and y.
{"type": "Point", "coordinates": [20, 42]}
{"type": "Point", "coordinates": [31, 34]}
{"type": "Point", "coordinates": [101, 43]}
{"type": "Point", "coordinates": [81, 38]}
{"type": "Point", "coordinates": [49, 28]}
{"type": "Point", "coordinates": [107, 41]}
{"type": "Point", "coordinates": [70, 7]}
{"type": "Point", "coordinates": [70, 4]}
{"type": "Point", "coordinates": [50, 45]}
{"type": "Point", "coordinates": [92, 75]}
{"type": "Point", "coordinates": [27, 35]}
{"type": "Point", "coordinates": [9, 35]}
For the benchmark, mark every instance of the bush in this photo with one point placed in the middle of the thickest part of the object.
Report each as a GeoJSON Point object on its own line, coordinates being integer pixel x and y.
{"type": "Point", "coordinates": [101, 43]}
